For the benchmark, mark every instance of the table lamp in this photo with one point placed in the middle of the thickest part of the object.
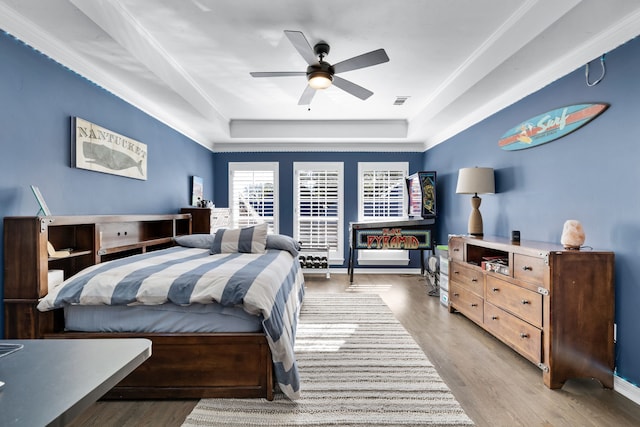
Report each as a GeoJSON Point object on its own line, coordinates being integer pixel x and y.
{"type": "Point", "coordinates": [475, 181]}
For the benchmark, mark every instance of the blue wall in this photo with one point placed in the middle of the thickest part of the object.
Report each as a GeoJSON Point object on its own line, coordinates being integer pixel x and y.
{"type": "Point", "coordinates": [38, 97]}
{"type": "Point", "coordinates": [285, 177]}
{"type": "Point", "coordinates": [591, 175]}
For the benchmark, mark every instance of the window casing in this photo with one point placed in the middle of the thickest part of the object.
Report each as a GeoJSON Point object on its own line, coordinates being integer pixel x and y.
{"type": "Point", "coordinates": [382, 196]}
{"type": "Point", "coordinates": [319, 206]}
{"type": "Point", "coordinates": [253, 194]}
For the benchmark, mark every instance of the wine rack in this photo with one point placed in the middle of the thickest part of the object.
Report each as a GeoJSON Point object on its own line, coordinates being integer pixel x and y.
{"type": "Point", "coordinates": [314, 260]}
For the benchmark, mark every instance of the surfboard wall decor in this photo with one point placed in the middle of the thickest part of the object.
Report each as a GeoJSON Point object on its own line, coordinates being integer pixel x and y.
{"type": "Point", "coordinates": [549, 126]}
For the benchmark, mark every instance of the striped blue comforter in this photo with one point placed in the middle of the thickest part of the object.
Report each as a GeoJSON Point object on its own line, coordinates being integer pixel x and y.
{"type": "Point", "coordinates": [268, 284]}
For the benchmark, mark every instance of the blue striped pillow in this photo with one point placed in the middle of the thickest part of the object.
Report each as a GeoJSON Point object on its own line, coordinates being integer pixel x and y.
{"type": "Point", "coordinates": [246, 240]}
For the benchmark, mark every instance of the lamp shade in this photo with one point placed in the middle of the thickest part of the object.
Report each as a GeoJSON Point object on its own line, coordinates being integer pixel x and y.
{"type": "Point", "coordinates": [475, 181]}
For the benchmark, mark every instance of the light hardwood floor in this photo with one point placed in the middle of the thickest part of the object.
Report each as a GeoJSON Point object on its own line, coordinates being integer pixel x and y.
{"type": "Point", "coordinates": [494, 385]}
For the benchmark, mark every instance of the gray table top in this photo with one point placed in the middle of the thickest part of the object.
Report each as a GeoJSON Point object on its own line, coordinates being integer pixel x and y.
{"type": "Point", "coordinates": [50, 382]}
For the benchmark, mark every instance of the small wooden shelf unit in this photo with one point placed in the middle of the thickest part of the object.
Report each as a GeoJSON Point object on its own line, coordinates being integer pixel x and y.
{"type": "Point", "coordinates": [208, 220]}
{"type": "Point", "coordinates": [553, 306]}
{"type": "Point", "coordinates": [201, 219]}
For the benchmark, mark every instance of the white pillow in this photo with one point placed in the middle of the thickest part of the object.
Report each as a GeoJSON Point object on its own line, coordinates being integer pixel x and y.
{"type": "Point", "coordinates": [246, 240]}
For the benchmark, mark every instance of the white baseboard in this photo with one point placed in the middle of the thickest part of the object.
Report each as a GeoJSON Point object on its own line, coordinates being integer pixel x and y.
{"type": "Point", "coordinates": [626, 389]}
{"type": "Point", "coordinates": [377, 271]}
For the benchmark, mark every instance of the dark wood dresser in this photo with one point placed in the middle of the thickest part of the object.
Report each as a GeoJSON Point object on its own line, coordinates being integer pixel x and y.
{"type": "Point", "coordinates": [553, 306]}
{"type": "Point", "coordinates": [201, 219]}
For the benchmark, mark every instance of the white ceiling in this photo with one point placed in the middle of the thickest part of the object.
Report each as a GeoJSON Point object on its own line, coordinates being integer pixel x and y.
{"type": "Point", "coordinates": [187, 62]}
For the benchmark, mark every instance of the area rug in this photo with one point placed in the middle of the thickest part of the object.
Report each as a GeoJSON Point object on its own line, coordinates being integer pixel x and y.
{"type": "Point", "coordinates": [358, 367]}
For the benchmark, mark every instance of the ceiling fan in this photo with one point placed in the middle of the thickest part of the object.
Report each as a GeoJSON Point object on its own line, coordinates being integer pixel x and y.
{"type": "Point", "coordinates": [320, 74]}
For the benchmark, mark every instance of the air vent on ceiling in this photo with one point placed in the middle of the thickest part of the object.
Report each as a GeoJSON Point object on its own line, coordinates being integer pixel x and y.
{"type": "Point", "coordinates": [400, 100]}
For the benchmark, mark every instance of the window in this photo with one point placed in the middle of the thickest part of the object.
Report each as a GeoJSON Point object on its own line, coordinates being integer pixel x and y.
{"type": "Point", "coordinates": [382, 194]}
{"type": "Point", "coordinates": [382, 197]}
{"type": "Point", "coordinates": [318, 204]}
{"type": "Point", "coordinates": [253, 194]}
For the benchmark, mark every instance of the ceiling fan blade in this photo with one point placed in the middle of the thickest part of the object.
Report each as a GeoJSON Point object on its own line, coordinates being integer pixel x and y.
{"type": "Point", "coordinates": [299, 41]}
{"type": "Point", "coordinates": [307, 96]}
{"type": "Point", "coordinates": [278, 73]}
{"type": "Point", "coordinates": [361, 61]}
{"type": "Point", "coordinates": [352, 88]}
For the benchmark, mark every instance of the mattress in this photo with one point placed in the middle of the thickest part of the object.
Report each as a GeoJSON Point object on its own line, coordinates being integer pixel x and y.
{"type": "Point", "coordinates": [167, 318]}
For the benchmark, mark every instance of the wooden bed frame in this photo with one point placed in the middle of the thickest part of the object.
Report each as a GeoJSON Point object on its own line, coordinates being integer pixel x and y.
{"type": "Point", "coordinates": [187, 366]}
{"type": "Point", "coordinates": [182, 365]}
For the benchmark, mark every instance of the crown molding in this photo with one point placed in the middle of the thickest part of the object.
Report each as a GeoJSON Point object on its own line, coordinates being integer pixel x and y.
{"type": "Point", "coordinates": [599, 44]}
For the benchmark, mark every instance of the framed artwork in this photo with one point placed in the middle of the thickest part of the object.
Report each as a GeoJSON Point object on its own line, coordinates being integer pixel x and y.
{"type": "Point", "coordinates": [428, 185]}
{"type": "Point", "coordinates": [421, 188]}
{"type": "Point", "coordinates": [98, 149]}
{"type": "Point", "coordinates": [197, 190]}
{"type": "Point", "coordinates": [43, 205]}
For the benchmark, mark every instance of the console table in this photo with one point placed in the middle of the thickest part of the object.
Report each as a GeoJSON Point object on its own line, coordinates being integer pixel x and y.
{"type": "Point", "coordinates": [413, 234]}
{"type": "Point", "coordinates": [50, 382]}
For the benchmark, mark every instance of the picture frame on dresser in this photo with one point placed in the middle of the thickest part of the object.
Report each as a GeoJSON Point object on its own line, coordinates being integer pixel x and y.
{"type": "Point", "coordinates": [44, 209]}
{"type": "Point", "coordinates": [197, 190]}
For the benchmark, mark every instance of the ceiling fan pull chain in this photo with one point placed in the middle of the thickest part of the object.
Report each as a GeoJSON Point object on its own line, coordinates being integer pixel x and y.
{"type": "Point", "coordinates": [604, 71]}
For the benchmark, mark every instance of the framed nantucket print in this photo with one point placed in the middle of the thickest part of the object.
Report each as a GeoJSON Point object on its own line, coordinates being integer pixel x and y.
{"type": "Point", "coordinates": [98, 149]}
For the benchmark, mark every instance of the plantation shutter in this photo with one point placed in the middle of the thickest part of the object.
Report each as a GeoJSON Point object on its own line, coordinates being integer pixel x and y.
{"type": "Point", "coordinates": [383, 194]}
{"type": "Point", "coordinates": [318, 204]}
{"type": "Point", "coordinates": [253, 194]}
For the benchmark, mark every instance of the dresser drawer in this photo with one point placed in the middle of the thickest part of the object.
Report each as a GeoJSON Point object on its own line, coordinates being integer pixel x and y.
{"type": "Point", "coordinates": [467, 277]}
{"type": "Point", "coordinates": [528, 268]}
{"type": "Point", "coordinates": [519, 335]}
{"type": "Point", "coordinates": [522, 302]}
{"type": "Point", "coordinates": [456, 249]}
{"type": "Point", "coordinates": [467, 303]}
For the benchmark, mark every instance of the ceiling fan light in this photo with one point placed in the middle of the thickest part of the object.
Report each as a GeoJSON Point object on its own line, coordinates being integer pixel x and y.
{"type": "Point", "coordinates": [320, 80]}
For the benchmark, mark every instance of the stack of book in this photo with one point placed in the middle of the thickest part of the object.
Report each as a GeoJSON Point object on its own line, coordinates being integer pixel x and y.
{"type": "Point", "coordinates": [497, 264]}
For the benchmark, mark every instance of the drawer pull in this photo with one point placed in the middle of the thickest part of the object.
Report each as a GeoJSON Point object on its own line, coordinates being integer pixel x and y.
{"type": "Point", "coordinates": [527, 268]}
{"type": "Point", "coordinates": [455, 294]}
{"type": "Point", "coordinates": [524, 301]}
{"type": "Point", "coordinates": [456, 250]}
{"type": "Point", "coordinates": [474, 280]}
{"type": "Point", "coordinates": [495, 289]}
{"type": "Point", "coordinates": [456, 272]}
{"type": "Point", "coordinates": [523, 335]}
{"type": "Point", "coordinates": [494, 317]}
{"type": "Point", "coordinates": [474, 305]}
